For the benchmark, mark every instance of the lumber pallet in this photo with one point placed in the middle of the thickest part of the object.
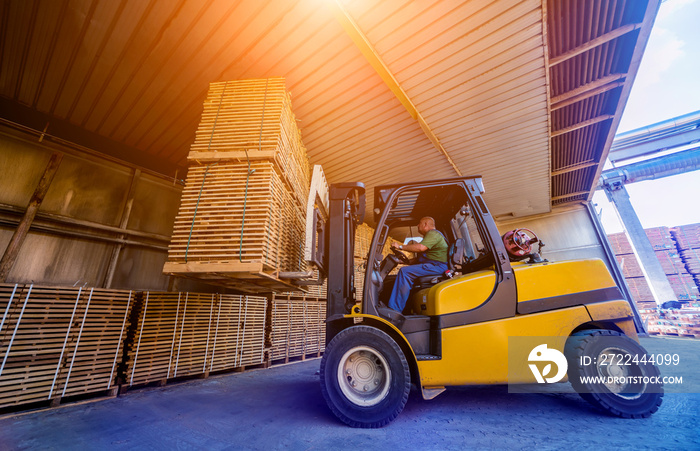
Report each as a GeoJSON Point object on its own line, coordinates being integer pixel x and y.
{"type": "Point", "coordinates": [298, 326]}
{"type": "Point", "coordinates": [671, 263]}
{"type": "Point", "coordinates": [253, 116]}
{"type": "Point", "coordinates": [219, 221]}
{"type": "Point", "coordinates": [246, 190]}
{"type": "Point", "coordinates": [58, 342]}
{"type": "Point", "coordinates": [186, 334]}
{"type": "Point", "coordinates": [687, 236]}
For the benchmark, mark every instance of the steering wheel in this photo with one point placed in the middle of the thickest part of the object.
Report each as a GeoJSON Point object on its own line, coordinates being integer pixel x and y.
{"type": "Point", "coordinates": [403, 258]}
{"type": "Point", "coordinates": [523, 241]}
{"type": "Point", "coordinates": [518, 242]}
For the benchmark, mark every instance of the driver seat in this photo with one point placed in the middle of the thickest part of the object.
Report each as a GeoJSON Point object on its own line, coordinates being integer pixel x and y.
{"type": "Point", "coordinates": [455, 257]}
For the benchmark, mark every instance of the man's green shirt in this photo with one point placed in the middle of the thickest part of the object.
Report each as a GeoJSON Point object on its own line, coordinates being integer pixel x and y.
{"type": "Point", "coordinates": [436, 244]}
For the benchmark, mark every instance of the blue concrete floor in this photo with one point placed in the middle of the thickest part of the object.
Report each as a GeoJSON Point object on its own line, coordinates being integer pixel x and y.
{"type": "Point", "coordinates": [282, 408]}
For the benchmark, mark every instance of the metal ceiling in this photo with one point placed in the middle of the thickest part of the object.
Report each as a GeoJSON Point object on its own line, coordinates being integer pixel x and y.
{"type": "Point", "coordinates": [526, 93]}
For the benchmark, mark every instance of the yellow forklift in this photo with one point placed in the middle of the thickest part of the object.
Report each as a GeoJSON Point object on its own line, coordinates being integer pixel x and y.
{"type": "Point", "coordinates": [457, 328]}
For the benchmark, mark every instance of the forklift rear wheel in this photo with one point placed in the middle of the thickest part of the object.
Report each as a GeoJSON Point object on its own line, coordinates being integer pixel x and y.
{"type": "Point", "coordinates": [627, 385]}
{"type": "Point", "coordinates": [365, 377]}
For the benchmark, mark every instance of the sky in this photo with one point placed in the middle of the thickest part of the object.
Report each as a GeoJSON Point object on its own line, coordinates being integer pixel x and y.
{"type": "Point", "coordinates": [667, 86]}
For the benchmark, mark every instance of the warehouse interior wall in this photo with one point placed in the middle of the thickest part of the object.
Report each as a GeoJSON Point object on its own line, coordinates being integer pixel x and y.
{"type": "Point", "coordinates": [102, 223]}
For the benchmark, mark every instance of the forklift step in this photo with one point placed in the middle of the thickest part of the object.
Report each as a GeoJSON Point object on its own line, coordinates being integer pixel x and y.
{"type": "Point", "coordinates": [428, 357]}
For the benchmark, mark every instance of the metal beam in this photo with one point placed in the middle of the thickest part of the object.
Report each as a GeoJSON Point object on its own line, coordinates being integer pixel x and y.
{"type": "Point", "coordinates": [588, 90]}
{"type": "Point", "coordinates": [586, 95]}
{"type": "Point", "coordinates": [668, 134]}
{"type": "Point", "coordinates": [576, 167]}
{"type": "Point", "coordinates": [607, 37]}
{"type": "Point", "coordinates": [641, 246]}
{"type": "Point", "coordinates": [582, 124]}
{"type": "Point", "coordinates": [370, 54]}
{"type": "Point", "coordinates": [654, 168]}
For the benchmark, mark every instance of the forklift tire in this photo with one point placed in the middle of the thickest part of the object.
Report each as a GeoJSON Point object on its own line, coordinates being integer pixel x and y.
{"type": "Point", "coordinates": [629, 386]}
{"type": "Point", "coordinates": [365, 377]}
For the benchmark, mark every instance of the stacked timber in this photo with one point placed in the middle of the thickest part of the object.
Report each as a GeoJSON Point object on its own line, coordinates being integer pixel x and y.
{"type": "Point", "coordinates": [688, 239]}
{"type": "Point", "coordinates": [60, 342]}
{"type": "Point", "coordinates": [683, 321]}
{"type": "Point", "coordinates": [678, 251]}
{"type": "Point", "coordinates": [363, 242]}
{"type": "Point", "coordinates": [687, 236]}
{"type": "Point", "coordinates": [185, 334]}
{"type": "Point", "coordinates": [298, 327]}
{"type": "Point", "coordinates": [663, 241]}
{"type": "Point", "coordinates": [242, 215]}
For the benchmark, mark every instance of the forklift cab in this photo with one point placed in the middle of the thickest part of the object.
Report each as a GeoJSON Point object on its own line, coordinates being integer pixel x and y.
{"type": "Point", "coordinates": [474, 257]}
{"type": "Point", "coordinates": [455, 218]}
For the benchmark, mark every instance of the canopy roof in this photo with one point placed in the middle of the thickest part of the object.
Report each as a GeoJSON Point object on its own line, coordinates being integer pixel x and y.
{"type": "Point", "coordinates": [527, 94]}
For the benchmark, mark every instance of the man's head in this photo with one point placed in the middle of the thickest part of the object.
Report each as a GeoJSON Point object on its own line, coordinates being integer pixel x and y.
{"type": "Point", "coordinates": [426, 223]}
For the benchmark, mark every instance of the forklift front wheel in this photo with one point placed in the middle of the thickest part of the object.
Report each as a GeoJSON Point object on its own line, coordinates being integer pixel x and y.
{"type": "Point", "coordinates": [365, 377]}
{"type": "Point", "coordinates": [614, 373]}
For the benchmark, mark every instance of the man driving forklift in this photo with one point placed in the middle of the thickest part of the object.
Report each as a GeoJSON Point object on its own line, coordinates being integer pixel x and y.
{"type": "Point", "coordinates": [431, 261]}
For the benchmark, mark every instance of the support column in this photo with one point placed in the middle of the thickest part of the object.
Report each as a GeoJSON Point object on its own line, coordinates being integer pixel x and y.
{"type": "Point", "coordinates": [126, 213]}
{"type": "Point", "coordinates": [12, 251]}
{"type": "Point", "coordinates": [651, 267]}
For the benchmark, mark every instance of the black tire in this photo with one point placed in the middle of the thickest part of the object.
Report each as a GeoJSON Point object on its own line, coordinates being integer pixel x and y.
{"type": "Point", "coordinates": [375, 381]}
{"type": "Point", "coordinates": [596, 348]}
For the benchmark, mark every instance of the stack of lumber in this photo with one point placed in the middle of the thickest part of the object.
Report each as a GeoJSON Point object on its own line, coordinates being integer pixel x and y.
{"type": "Point", "coordinates": [242, 214]}
{"type": "Point", "coordinates": [688, 240]}
{"type": "Point", "coordinates": [239, 332]}
{"type": "Point", "coordinates": [678, 251]}
{"type": "Point", "coordinates": [684, 321]}
{"type": "Point", "coordinates": [683, 286]}
{"type": "Point", "coordinates": [670, 255]}
{"type": "Point", "coordinates": [687, 236]}
{"type": "Point", "coordinates": [298, 326]}
{"type": "Point", "coordinates": [185, 334]}
{"type": "Point", "coordinates": [641, 293]}
{"type": "Point", "coordinates": [671, 262]}
{"type": "Point", "coordinates": [59, 342]}
{"type": "Point", "coordinates": [363, 243]}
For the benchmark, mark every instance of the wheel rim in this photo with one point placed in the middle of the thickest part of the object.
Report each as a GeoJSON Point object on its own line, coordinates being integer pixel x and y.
{"type": "Point", "coordinates": [364, 376]}
{"type": "Point", "coordinates": [628, 390]}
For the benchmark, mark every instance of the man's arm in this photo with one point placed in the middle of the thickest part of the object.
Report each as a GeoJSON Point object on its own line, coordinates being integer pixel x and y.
{"type": "Point", "coordinates": [416, 247]}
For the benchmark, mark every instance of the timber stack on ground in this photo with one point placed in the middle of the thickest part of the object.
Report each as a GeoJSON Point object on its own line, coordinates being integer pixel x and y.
{"type": "Point", "coordinates": [63, 344]}
{"type": "Point", "coordinates": [678, 251]}
{"type": "Point", "coordinates": [241, 219]}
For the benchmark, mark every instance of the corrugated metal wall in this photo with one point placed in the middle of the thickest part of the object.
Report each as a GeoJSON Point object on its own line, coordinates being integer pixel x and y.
{"type": "Point", "coordinates": [101, 223]}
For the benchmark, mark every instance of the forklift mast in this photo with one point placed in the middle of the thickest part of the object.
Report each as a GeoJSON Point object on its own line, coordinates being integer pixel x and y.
{"type": "Point", "coordinates": [346, 211]}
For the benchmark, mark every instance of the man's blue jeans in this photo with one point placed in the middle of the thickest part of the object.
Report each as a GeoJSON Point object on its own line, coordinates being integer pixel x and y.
{"type": "Point", "coordinates": [404, 281]}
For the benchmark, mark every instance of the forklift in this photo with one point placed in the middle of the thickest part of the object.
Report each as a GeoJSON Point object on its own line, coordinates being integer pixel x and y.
{"type": "Point", "coordinates": [456, 327]}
